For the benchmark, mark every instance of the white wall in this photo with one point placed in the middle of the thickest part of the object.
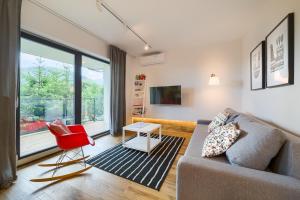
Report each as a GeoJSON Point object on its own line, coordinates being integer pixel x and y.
{"type": "Point", "coordinates": [191, 68]}
{"type": "Point", "coordinates": [277, 105]}
{"type": "Point", "coordinates": [43, 23]}
{"type": "Point", "coordinates": [39, 21]}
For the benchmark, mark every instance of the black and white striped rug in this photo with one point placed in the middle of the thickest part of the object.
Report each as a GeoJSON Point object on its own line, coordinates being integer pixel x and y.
{"type": "Point", "coordinates": [148, 170]}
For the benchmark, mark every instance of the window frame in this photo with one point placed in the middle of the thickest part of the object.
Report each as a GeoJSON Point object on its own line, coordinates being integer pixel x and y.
{"type": "Point", "coordinates": [77, 85]}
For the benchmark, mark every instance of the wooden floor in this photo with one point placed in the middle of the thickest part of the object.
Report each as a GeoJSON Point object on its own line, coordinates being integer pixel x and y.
{"type": "Point", "coordinates": [94, 184]}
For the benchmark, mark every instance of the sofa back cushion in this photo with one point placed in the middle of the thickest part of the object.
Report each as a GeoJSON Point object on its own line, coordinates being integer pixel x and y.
{"type": "Point", "coordinates": [287, 162]}
{"type": "Point", "coordinates": [218, 121]}
{"type": "Point", "coordinates": [232, 115]}
{"type": "Point", "coordinates": [257, 145]}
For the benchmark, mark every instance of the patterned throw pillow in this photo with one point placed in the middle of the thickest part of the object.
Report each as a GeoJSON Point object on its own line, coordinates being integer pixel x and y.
{"type": "Point", "coordinates": [219, 120]}
{"type": "Point", "coordinates": [59, 127]}
{"type": "Point", "coordinates": [219, 140]}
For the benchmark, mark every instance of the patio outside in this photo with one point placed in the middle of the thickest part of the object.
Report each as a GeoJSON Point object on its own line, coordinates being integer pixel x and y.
{"type": "Point", "coordinates": [34, 135]}
{"type": "Point", "coordinates": [47, 93]}
{"type": "Point", "coordinates": [37, 141]}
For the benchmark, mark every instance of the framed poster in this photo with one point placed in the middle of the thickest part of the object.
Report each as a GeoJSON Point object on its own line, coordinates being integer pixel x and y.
{"type": "Point", "coordinates": [280, 53]}
{"type": "Point", "coordinates": [257, 67]}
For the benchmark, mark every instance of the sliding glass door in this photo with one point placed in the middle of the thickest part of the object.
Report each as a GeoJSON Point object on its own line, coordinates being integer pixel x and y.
{"type": "Point", "coordinates": [46, 93]}
{"type": "Point", "coordinates": [57, 82]}
{"type": "Point", "coordinates": [95, 95]}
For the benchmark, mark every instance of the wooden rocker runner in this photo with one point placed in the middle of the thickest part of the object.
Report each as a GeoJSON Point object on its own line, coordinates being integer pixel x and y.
{"type": "Point", "coordinates": [69, 139]}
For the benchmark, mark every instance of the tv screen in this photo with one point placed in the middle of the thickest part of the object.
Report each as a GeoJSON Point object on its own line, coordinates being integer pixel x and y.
{"type": "Point", "coordinates": [165, 95]}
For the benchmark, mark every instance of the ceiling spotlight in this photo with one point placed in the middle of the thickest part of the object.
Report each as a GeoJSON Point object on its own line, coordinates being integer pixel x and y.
{"type": "Point", "coordinates": [146, 48]}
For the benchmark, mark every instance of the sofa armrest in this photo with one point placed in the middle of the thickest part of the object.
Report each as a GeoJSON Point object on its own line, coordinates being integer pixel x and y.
{"type": "Point", "coordinates": [199, 178]}
{"type": "Point", "coordinates": [203, 121]}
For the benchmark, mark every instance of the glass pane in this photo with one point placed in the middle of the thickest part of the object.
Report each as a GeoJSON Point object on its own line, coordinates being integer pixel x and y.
{"type": "Point", "coordinates": [46, 93]}
{"type": "Point", "coordinates": [95, 95]}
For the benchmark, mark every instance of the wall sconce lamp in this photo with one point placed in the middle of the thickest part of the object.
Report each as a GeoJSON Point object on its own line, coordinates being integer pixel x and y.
{"type": "Point", "coordinates": [213, 80]}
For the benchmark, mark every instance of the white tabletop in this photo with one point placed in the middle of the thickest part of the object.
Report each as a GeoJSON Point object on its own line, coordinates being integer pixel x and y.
{"type": "Point", "coordinates": [141, 127]}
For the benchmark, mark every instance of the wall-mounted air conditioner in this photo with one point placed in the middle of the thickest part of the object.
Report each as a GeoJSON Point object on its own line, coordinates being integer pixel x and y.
{"type": "Point", "coordinates": [152, 59]}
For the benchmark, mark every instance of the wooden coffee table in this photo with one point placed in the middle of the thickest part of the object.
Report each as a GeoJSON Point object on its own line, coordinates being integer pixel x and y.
{"type": "Point", "coordinates": [141, 143]}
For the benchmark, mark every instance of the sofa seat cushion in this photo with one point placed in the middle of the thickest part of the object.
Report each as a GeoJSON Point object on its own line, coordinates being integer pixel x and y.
{"type": "Point", "coordinates": [257, 145]}
{"type": "Point", "coordinates": [196, 144]}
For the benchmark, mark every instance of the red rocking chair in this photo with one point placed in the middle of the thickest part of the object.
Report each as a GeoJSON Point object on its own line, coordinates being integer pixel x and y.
{"type": "Point", "coordinates": [69, 139]}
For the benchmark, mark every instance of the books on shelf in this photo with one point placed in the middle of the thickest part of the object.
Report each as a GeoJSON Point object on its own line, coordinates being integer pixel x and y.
{"type": "Point", "coordinates": [138, 103]}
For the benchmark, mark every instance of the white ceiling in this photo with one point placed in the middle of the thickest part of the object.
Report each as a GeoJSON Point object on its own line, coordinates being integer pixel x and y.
{"type": "Point", "coordinates": [164, 24]}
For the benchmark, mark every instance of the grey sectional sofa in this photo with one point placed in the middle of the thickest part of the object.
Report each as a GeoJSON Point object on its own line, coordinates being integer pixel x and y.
{"type": "Point", "coordinates": [215, 178]}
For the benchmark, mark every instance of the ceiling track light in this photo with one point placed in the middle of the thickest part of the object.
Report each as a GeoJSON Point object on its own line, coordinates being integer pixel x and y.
{"type": "Point", "coordinates": [64, 18]}
{"type": "Point", "coordinates": [101, 4]}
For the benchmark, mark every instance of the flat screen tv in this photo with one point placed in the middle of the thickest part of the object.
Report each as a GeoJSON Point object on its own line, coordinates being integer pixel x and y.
{"type": "Point", "coordinates": [166, 95]}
